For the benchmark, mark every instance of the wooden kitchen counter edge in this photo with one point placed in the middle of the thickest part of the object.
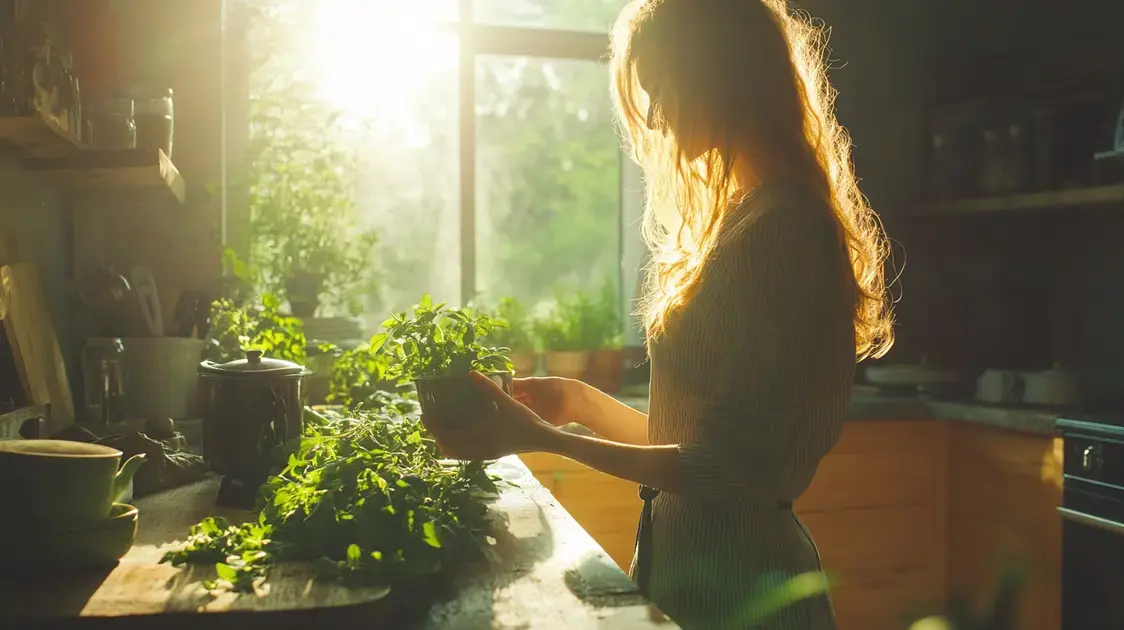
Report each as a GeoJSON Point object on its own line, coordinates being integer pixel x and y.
{"type": "Point", "coordinates": [545, 572]}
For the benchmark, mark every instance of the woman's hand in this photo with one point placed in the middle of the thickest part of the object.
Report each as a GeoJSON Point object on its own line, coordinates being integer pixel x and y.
{"type": "Point", "coordinates": [555, 400]}
{"type": "Point", "coordinates": [511, 429]}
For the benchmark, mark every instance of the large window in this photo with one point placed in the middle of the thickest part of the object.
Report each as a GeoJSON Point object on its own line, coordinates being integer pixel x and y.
{"type": "Point", "coordinates": [547, 178]}
{"type": "Point", "coordinates": [488, 162]}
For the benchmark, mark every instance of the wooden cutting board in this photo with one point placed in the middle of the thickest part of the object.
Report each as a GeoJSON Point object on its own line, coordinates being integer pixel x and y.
{"type": "Point", "coordinates": [35, 345]}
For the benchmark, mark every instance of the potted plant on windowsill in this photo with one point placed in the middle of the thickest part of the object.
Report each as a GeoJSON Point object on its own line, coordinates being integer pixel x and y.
{"type": "Point", "coordinates": [437, 347]}
{"type": "Point", "coordinates": [517, 337]}
{"type": "Point", "coordinates": [601, 332]}
{"type": "Point", "coordinates": [561, 332]}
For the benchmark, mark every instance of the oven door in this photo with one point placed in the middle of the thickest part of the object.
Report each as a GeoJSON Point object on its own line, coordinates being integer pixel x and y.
{"type": "Point", "coordinates": [1092, 572]}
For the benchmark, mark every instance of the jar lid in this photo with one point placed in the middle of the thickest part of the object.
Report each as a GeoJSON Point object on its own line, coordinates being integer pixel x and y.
{"type": "Point", "coordinates": [253, 365]}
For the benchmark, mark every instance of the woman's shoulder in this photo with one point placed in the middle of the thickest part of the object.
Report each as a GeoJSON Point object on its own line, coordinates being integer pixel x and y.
{"type": "Point", "coordinates": [779, 210]}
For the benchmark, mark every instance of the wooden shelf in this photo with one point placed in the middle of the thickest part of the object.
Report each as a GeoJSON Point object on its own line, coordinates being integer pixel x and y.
{"type": "Point", "coordinates": [34, 135]}
{"type": "Point", "coordinates": [129, 171]}
{"type": "Point", "coordinates": [1052, 199]}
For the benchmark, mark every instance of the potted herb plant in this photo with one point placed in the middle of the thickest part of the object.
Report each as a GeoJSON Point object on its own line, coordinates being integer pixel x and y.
{"type": "Point", "coordinates": [561, 330]}
{"type": "Point", "coordinates": [602, 334]}
{"type": "Point", "coordinates": [437, 347]}
{"type": "Point", "coordinates": [518, 337]}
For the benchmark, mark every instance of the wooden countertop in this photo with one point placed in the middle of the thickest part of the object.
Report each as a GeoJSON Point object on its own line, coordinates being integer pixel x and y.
{"type": "Point", "coordinates": [544, 572]}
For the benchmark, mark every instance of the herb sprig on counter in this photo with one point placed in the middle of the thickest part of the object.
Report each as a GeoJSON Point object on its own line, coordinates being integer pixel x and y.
{"type": "Point", "coordinates": [365, 496]}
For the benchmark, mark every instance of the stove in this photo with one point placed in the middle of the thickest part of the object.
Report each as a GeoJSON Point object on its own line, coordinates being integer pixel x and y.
{"type": "Point", "coordinates": [1092, 513]}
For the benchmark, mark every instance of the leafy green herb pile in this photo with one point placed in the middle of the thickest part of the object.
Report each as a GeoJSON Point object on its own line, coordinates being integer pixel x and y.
{"type": "Point", "coordinates": [364, 496]}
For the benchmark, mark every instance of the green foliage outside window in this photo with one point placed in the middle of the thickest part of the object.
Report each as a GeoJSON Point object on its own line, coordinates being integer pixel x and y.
{"type": "Point", "coordinates": [305, 228]}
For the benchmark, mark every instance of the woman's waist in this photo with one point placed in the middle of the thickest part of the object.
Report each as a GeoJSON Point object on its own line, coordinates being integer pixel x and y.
{"type": "Point", "coordinates": [755, 504]}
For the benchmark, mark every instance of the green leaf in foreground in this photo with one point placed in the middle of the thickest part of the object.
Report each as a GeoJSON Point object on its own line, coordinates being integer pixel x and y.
{"type": "Point", "coordinates": [363, 497]}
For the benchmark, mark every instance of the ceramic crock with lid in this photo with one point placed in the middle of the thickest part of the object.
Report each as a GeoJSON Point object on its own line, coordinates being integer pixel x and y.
{"type": "Point", "coordinates": [250, 407]}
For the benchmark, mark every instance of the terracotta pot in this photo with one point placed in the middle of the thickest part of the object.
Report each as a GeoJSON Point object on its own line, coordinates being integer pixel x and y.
{"type": "Point", "coordinates": [604, 371]}
{"type": "Point", "coordinates": [525, 363]}
{"type": "Point", "coordinates": [569, 364]}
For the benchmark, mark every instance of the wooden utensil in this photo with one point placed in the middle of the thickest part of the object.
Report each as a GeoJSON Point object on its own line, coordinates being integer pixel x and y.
{"type": "Point", "coordinates": [35, 346]}
{"type": "Point", "coordinates": [144, 287]}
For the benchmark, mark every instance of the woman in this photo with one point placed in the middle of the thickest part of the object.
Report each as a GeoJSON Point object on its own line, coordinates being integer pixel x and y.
{"type": "Point", "coordinates": [766, 285]}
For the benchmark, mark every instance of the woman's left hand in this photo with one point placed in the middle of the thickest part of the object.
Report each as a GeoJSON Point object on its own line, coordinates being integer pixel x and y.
{"type": "Point", "coordinates": [512, 428]}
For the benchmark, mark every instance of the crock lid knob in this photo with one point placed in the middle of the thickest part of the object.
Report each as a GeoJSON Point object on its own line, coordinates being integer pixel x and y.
{"type": "Point", "coordinates": [253, 356]}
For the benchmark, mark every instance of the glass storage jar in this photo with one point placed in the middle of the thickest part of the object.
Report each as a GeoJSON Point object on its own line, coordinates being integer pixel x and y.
{"type": "Point", "coordinates": [114, 125]}
{"type": "Point", "coordinates": [155, 119]}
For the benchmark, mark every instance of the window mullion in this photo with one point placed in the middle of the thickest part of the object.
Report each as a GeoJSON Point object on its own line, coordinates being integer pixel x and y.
{"type": "Point", "coordinates": [467, 147]}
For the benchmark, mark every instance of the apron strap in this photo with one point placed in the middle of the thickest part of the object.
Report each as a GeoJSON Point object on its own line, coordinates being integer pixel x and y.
{"type": "Point", "coordinates": [644, 539]}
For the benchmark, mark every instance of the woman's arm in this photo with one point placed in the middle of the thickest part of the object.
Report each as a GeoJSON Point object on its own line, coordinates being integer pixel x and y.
{"type": "Point", "coordinates": [610, 418]}
{"type": "Point", "coordinates": [655, 466]}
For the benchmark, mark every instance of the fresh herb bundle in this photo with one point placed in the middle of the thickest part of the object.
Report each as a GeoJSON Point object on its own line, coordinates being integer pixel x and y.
{"type": "Point", "coordinates": [436, 340]}
{"type": "Point", "coordinates": [364, 496]}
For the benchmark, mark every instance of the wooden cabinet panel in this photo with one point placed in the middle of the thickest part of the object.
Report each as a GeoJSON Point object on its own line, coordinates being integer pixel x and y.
{"type": "Point", "coordinates": [595, 489]}
{"type": "Point", "coordinates": [1003, 490]}
{"type": "Point", "coordinates": [882, 436]}
{"type": "Point", "coordinates": [546, 462]}
{"type": "Point", "coordinates": [884, 537]}
{"type": "Point", "coordinates": [867, 480]}
{"type": "Point", "coordinates": [876, 511]}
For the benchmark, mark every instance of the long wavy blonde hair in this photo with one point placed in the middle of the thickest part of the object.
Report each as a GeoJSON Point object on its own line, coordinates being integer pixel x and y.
{"type": "Point", "coordinates": [746, 81]}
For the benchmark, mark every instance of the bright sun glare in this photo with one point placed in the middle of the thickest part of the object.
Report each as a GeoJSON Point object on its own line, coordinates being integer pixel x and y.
{"type": "Point", "coordinates": [375, 57]}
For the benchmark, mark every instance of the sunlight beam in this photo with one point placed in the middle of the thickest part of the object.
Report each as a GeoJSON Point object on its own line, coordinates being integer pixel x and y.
{"type": "Point", "coordinates": [375, 58]}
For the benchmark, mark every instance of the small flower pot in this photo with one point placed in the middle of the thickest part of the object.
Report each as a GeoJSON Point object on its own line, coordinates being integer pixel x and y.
{"type": "Point", "coordinates": [604, 371]}
{"type": "Point", "coordinates": [568, 364]}
{"type": "Point", "coordinates": [526, 363]}
{"type": "Point", "coordinates": [455, 401]}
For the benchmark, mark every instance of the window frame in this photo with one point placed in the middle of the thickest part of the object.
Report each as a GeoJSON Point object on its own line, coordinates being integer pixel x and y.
{"type": "Point", "coordinates": [477, 40]}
